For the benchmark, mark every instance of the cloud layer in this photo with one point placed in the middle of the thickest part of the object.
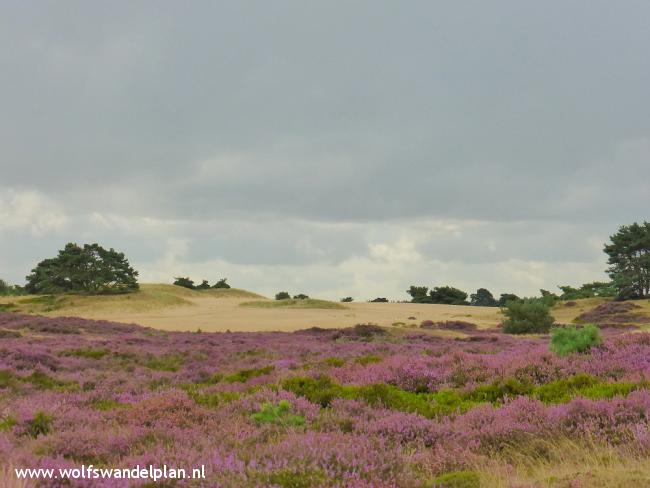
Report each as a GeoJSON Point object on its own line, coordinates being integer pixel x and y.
{"type": "Point", "coordinates": [329, 147]}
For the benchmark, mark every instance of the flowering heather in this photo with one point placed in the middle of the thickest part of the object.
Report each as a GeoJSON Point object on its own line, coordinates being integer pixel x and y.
{"type": "Point", "coordinates": [613, 314]}
{"type": "Point", "coordinates": [357, 407]}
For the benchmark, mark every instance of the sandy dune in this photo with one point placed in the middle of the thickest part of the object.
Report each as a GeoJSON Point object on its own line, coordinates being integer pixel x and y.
{"type": "Point", "coordinates": [221, 314]}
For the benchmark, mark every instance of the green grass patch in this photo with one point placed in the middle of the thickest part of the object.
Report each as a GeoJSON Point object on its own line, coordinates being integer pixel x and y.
{"type": "Point", "coordinates": [323, 390]}
{"type": "Point", "coordinates": [294, 303]}
{"type": "Point", "coordinates": [210, 400]}
{"type": "Point", "coordinates": [86, 353]}
{"type": "Point", "coordinates": [245, 374]}
{"type": "Point", "coordinates": [169, 362]}
{"type": "Point", "coordinates": [279, 414]}
{"type": "Point", "coordinates": [293, 479]}
{"type": "Point", "coordinates": [368, 359]}
{"type": "Point", "coordinates": [7, 422]}
{"type": "Point", "coordinates": [456, 479]}
{"type": "Point", "coordinates": [334, 362]}
{"type": "Point", "coordinates": [106, 404]}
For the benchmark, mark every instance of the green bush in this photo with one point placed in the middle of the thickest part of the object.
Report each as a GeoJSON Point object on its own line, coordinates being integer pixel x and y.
{"type": "Point", "coordinates": [282, 295]}
{"type": "Point", "coordinates": [528, 316]}
{"type": "Point", "coordinates": [245, 374]}
{"type": "Point", "coordinates": [569, 339]}
{"type": "Point", "coordinates": [279, 414]}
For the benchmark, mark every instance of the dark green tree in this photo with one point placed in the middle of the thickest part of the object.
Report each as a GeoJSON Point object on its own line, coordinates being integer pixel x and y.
{"type": "Point", "coordinates": [419, 294]}
{"type": "Point", "coordinates": [483, 298]}
{"type": "Point", "coordinates": [221, 283]}
{"type": "Point", "coordinates": [184, 282]}
{"type": "Point", "coordinates": [88, 269]}
{"type": "Point", "coordinates": [347, 299]}
{"type": "Point", "coordinates": [629, 260]}
{"type": "Point", "coordinates": [283, 295]}
{"type": "Point", "coordinates": [448, 295]}
{"type": "Point", "coordinates": [300, 296]}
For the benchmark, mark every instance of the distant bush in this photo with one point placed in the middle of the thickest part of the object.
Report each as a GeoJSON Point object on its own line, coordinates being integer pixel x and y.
{"type": "Point", "coordinates": [221, 283]}
{"type": "Point", "coordinates": [379, 300]}
{"type": "Point", "coordinates": [204, 285]}
{"type": "Point", "coordinates": [184, 282]}
{"type": "Point", "coordinates": [527, 316]}
{"type": "Point", "coordinates": [300, 296]}
{"type": "Point", "coordinates": [283, 295]}
{"type": "Point", "coordinates": [347, 299]}
{"type": "Point", "coordinates": [447, 295]}
{"type": "Point", "coordinates": [566, 340]}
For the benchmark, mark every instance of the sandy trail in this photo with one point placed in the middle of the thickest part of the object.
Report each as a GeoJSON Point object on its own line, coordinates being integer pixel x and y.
{"type": "Point", "coordinates": [212, 314]}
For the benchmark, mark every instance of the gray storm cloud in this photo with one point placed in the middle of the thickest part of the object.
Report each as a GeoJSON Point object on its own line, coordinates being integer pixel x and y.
{"type": "Point", "coordinates": [342, 147]}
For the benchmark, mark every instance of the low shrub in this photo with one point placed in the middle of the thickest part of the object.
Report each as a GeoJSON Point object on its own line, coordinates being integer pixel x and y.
{"type": "Point", "coordinates": [279, 414]}
{"type": "Point", "coordinates": [528, 316]}
{"type": "Point", "coordinates": [570, 339]}
{"type": "Point", "coordinates": [283, 295]}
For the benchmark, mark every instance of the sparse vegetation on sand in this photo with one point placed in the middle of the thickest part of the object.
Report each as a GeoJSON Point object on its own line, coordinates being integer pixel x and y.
{"type": "Point", "coordinates": [294, 303]}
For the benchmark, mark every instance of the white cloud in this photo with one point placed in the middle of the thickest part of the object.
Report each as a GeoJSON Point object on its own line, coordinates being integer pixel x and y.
{"type": "Point", "coordinates": [32, 212]}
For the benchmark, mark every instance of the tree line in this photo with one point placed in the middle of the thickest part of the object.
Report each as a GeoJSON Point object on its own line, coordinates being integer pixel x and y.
{"type": "Point", "coordinates": [93, 269]}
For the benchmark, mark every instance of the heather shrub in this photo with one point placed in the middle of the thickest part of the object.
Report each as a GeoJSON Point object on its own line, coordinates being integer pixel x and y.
{"type": "Point", "coordinates": [527, 316]}
{"type": "Point", "coordinates": [456, 479]}
{"type": "Point", "coordinates": [570, 339]}
{"type": "Point", "coordinates": [9, 334]}
{"type": "Point", "coordinates": [279, 414]}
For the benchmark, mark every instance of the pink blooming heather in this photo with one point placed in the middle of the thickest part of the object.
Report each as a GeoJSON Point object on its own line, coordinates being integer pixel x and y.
{"type": "Point", "coordinates": [76, 391]}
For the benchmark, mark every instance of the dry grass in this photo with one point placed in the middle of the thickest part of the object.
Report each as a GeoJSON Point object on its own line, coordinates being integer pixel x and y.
{"type": "Point", "coordinates": [566, 463]}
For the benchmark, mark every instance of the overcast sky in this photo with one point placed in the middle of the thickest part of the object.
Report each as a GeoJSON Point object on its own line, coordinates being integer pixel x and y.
{"type": "Point", "coordinates": [332, 148]}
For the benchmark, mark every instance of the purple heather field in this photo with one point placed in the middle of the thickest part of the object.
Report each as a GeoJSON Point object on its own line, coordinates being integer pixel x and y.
{"type": "Point", "coordinates": [356, 407]}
